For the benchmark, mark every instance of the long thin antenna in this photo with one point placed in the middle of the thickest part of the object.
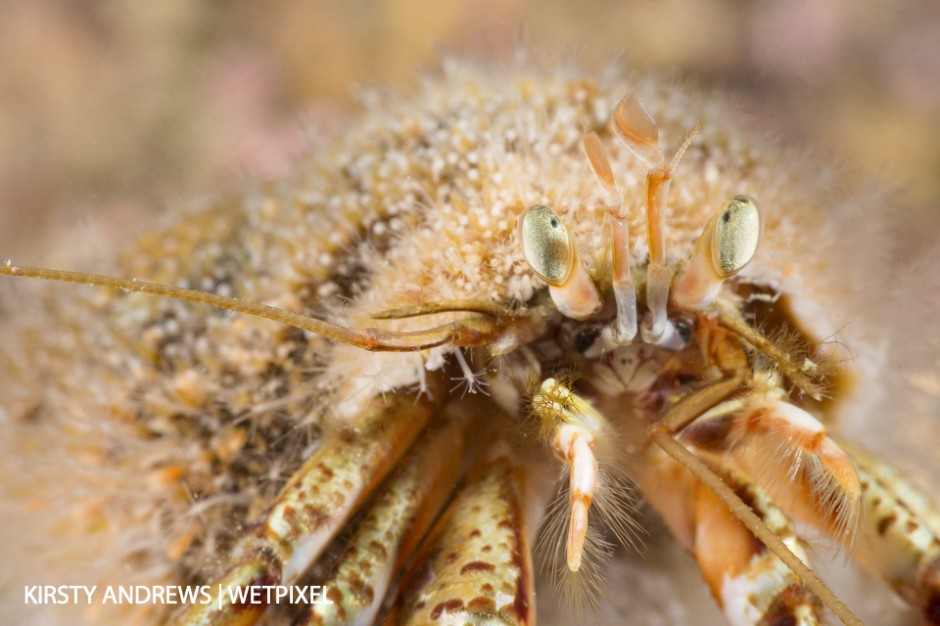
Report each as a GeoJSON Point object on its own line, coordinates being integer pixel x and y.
{"type": "Point", "coordinates": [472, 331]}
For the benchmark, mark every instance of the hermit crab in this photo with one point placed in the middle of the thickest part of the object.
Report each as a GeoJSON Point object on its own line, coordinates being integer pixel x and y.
{"type": "Point", "coordinates": [470, 341]}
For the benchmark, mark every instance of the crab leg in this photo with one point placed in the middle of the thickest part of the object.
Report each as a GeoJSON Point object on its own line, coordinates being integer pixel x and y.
{"type": "Point", "coordinates": [313, 506]}
{"type": "Point", "coordinates": [750, 584]}
{"type": "Point", "coordinates": [570, 423]}
{"type": "Point", "coordinates": [899, 538]}
{"type": "Point", "coordinates": [663, 432]}
{"type": "Point", "coordinates": [475, 567]}
{"type": "Point", "coordinates": [392, 529]}
{"type": "Point", "coordinates": [786, 448]}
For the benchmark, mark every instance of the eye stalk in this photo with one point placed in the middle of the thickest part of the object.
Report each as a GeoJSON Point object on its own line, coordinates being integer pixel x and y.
{"type": "Point", "coordinates": [552, 254]}
{"type": "Point", "coordinates": [727, 244]}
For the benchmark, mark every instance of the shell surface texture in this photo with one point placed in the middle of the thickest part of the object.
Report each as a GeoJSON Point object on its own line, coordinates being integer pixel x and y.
{"type": "Point", "coordinates": [511, 340]}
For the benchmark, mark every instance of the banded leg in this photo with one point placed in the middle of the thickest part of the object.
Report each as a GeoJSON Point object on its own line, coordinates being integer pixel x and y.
{"type": "Point", "coordinates": [751, 585]}
{"type": "Point", "coordinates": [899, 538]}
{"type": "Point", "coordinates": [475, 567]}
{"type": "Point", "coordinates": [392, 529]}
{"type": "Point", "coordinates": [313, 506]}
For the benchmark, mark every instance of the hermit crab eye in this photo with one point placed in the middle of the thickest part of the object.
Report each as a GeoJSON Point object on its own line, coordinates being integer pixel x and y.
{"type": "Point", "coordinates": [736, 235]}
{"type": "Point", "coordinates": [552, 254]}
{"type": "Point", "coordinates": [727, 243]}
{"type": "Point", "coordinates": [546, 245]}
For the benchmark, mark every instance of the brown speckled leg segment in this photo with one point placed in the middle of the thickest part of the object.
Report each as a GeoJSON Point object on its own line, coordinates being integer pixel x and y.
{"type": "Point", "coordinates": [315, 504]}
{"type": "Point", "coordinates": [392, 529]}
{"type": "Point", "coordinates": [475, 567]}
{"type": "Point", "coordinates": [899, 538]}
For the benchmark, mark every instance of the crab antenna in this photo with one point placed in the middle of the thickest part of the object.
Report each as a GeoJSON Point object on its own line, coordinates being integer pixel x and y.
{"type": "Point", "coordinates": [624, 291]}
{"type": "Point", "coordinates": [637, 130]}
{"type": "Point", "coordinates": [467, 332]}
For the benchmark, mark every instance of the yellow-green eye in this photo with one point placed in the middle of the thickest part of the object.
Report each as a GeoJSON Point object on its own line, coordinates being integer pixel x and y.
{"type": "Point", "coordinates": [736, 235]}
{"type": "Point", "coordinates": [546, 244]}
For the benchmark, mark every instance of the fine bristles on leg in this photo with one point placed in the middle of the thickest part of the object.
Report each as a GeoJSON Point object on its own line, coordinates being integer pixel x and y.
{"type": "Point", "coordinates": [570, 425]}
{"type": "Point", "coordinates": [791, 456]}
{"type": "Point", "coordinates": [747, 517]}
{"type": "Point", "coordinates": [613, 511]}
{"type": "Point", "coordinates": [662, 436]}
{"type": "Point", "coordinates": [804, 374]}
{"type": "Point", "coordinates": [571, 541]}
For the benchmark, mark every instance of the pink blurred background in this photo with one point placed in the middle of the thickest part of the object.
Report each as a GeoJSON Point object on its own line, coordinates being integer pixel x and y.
{"type": "Point", "coordinates": [111, 111]}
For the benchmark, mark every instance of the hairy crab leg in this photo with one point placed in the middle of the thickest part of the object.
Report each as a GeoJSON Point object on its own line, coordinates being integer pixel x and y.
{"type": "Point", "coordinates": [475, 567]}
{"type": "Point", "coordinates": [789, 452]}
{"type": "Point", "coordinates": [570, 423]}
{"type": "Point", "coordinates": [662, 435]}
{"type": "Point", "coordinates": [899, 538]}
{"type": "Point", "coordinates": [313, 506]}
{"type": "Point", "coordinates": [392, 528]}
{"type": "Point", "coordinates": [751, 585]}
{"type": "Point", "coordinates": [801, 374]}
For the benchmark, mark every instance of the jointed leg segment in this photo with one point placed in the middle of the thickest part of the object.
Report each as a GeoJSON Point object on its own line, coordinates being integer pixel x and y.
{"type": "Point", "coordinates": [313, 506]}
{"type": "Point", "coordinates": [478, 553]}
{"type": "Point", "coordinates": [665, 439]}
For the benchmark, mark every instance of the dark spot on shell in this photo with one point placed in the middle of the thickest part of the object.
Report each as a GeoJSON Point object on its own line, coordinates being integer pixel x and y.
{"type": "Point", "coordinates": [476, 533]}
{"type": "Point", "coordinates": [361, 589]}
{"type": "Point", "coordinates": [378, 550]}
{"type": "Point", "coordinates": [334, 595]}
{"type": "Point", "coordinates": [482, 605]}
{"type": "Point", "coordinates": [885, 522]}
{"type": "Point", "coordinates": [448, 605]}
{"type": "Point", "coordinates": [476, 566]}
